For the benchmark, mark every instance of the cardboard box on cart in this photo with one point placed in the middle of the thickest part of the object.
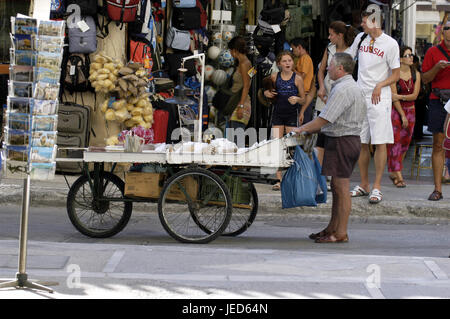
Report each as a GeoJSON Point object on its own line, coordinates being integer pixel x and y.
{"type": "Point", "coordinates": [149, 185]}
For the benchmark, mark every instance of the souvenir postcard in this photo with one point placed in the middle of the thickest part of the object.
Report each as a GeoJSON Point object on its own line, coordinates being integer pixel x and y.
{"type": "Point", "coordinates": [24, 42]}
{"type": "Point", "coordinates": [43, 139]}
{"type": "Point", "coordinates": [18, 121]}
{"type": "Point", "coordinates": [45, 122]}
{"type": "Point", "coordinates": [21, 73]}
{"type": "Point", "coordinates": [46, 91]}
{"type": "Point", "coordinates": [17, 153]}
{"type": "Point", "coordinates": [51, 61]}
{"type": "Point", "coordinates": [24, 25]}
{"type": "Point", "coordinates": [20, 89]}
{"type": "Point", "coordinates": [42, 171]}
{"type": "Point", "coordinates": [19, 105]}
{"type": "Point", "coordinates": [22, 57]}
{"type": "Point", "coordinates": [49, 44]}
{"type": "Point", "coordinates": [46, 75]}
{"type": "Point", "coordinates": [52, 28]}
{"type": "Point", "coordinates": [44, 107]}
{"type": "Point", "coordinates": [17, 138]}
{"type": "Point", "coordinates": [43, 154]}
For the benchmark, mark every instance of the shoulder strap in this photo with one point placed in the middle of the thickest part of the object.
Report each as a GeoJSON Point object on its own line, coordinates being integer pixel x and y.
{"type": "Point", "coordinates": [443, 51]}
{"type": "Point", "coordinates": [364, 36]}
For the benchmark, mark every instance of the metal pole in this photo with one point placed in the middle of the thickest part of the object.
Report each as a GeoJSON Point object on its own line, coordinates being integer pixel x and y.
{"type": "Point", "coordinates": [24, 226]}
{"type": "Point", "coordinates": [22, 277]}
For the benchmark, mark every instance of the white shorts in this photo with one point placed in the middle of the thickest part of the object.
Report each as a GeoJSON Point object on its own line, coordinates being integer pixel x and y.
{"type": "Point", "coordinates": [377, 128]}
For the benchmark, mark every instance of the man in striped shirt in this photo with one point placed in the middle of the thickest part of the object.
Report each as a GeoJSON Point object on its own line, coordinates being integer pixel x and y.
{"type": "Point", "coordinates": [341, 122]}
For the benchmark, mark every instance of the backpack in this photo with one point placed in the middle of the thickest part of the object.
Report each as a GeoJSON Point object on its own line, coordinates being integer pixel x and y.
{"type": "Point", "coordinates": [122, 10]}
{"type": "Point", "coordinates": [263, 41]}
{"type": "Point", "coordinates": [355, 70]}
{"type": "Point", "coordinates": [75, 73]}
{"type": "Point", "coordinates": [140, 50]}
{"type": "Point", "coordinates": [140, 26]}
{"type": "Point", "coordinates": [57, 9]}
{"type": "Point", "coordinates": [87, 7]}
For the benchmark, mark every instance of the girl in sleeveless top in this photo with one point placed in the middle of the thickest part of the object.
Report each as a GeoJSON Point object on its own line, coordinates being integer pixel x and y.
{"type": "Point", "coordinates": [290, 94]}
{"type": "Point", "coordinates": [403, 115]}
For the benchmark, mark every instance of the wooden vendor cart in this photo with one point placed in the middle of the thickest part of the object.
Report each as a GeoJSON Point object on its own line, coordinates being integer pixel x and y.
{"type": "Point", "coordinates": [199, 196]}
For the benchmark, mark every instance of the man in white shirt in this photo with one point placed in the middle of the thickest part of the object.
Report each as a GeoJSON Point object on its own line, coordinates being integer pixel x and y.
{"type": "Point", "coordinates": [378, 68]}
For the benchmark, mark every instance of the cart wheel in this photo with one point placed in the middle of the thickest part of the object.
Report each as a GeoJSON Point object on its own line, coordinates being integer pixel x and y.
{"type": "Point", "coordinates": [186, 203]}
{"type": "Point", "coordinates": [98, 219]}
{"type": "Point", "coordinates": [244, 213]}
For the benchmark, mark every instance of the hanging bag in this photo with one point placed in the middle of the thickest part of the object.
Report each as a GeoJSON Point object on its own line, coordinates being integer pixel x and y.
{"type": "Point", "coordinates": [273, 16]}
{"type": "Point", "coordinates": [140, 50]}
{"type": "Point", "coordinates": [186, 18]}
{"type": "Point", "coordinates": [299, 184]}
{"type": "Point", "coordinates": [141, 25]}
{"type": "Point", "coordinates": [178, 39]}
{"type": "Point", "coordinates": [122, 10]}
{"type": "Point", "coordinates": [184, 3]}
{"type": "Point", "coordinates": [83, 42]}
{"type": "Point", "coordinates": [75, 73]}
{"type": "Point", "coordinates": [321, 194]}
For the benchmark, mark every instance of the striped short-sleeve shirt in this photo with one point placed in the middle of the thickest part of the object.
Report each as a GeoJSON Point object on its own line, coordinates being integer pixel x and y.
{"type": "Point", "coordinates": [346, 109]}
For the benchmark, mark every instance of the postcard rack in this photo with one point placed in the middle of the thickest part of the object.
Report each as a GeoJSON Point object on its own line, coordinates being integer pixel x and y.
{"type": "Point", "coordinates": [36, 53]}
{"type": "Point", "coordinates": [29, 147]}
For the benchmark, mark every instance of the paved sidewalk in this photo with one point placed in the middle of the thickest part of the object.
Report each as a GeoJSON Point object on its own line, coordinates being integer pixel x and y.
{"type": "Point", "coordinates": [410, 202]}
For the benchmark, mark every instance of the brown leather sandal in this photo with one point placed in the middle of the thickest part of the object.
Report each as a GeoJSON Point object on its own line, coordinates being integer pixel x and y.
{"type": "Point", "coordinates": [332, 238]}
{"type": "Point", "coordinates": [435, 196]}
{"type": "Point", "coordinates": [315, 236]}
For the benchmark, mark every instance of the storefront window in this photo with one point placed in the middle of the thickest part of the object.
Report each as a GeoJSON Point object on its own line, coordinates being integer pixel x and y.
{"type": "Point", "coordinates": [9, 8]}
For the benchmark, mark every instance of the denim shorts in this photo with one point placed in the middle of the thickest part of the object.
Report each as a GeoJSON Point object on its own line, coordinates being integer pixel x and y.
{"type": "Point", "coordinates": [436, 116]}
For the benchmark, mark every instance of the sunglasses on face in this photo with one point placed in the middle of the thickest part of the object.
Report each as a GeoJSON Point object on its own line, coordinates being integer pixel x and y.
{"type": "Point", "coordinates": [446, 28]}
{"type": "Point", "coordinates": [408, 56]}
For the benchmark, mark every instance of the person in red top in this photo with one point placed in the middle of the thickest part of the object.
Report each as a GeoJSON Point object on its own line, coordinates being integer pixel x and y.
{"type": "Point", "coordinates": [436, 69]}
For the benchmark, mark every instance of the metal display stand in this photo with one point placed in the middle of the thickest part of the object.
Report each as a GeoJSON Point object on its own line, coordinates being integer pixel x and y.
{"type": "Point", "coordinates": [22, 277]}
{"type": "Point", "coordinates": [32, 112]}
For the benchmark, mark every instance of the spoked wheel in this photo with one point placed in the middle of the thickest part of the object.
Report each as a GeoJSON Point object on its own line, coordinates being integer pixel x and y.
{"type": "Point", "coordinates": [98, 218]}
{"type": "Point", "coordinates": [245, 208]}
{"type": "Point", "coordinates": [192, 201]}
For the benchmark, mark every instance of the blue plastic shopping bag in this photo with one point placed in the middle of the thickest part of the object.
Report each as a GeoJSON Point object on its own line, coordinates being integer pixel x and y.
{"type": "Point", "coordinates": [321, 195]}
{"type": "Point", "coordinates": [299, 184]}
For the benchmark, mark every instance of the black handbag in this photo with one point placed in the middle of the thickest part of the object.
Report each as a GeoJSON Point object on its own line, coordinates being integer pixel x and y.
{"type": "Point", "coordinates": [273, 16]}
{"type": "Point", "coordinates": [173, 63]}
{"type": "Point", "coordinates": [186, 18]}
